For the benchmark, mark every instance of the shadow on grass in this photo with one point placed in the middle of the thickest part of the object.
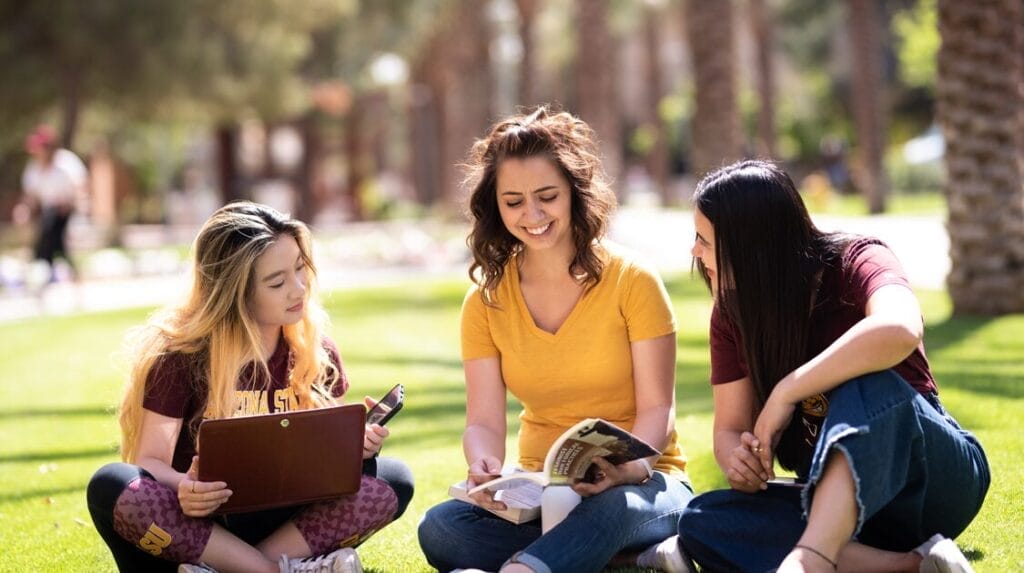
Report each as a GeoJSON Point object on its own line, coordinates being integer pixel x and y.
{"type": "Point", "coordinates": [53, 456]}
{"type": "Point", "coordinates": [42, 493]}
{"type": "Point", "coordinates": [90, 411]}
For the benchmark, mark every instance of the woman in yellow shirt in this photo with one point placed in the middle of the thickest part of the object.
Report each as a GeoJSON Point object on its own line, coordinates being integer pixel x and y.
{"type": "Point", "coordinates": [573, 329]}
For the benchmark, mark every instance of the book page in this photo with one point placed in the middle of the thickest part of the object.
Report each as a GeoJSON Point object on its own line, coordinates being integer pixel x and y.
{"type": "Point", "coordinates": [524, 496]}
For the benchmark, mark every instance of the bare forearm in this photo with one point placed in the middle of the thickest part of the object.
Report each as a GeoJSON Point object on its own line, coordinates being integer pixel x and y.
{"type": "Point", "coordinates": [871, 345]}
{"type": "Point", "coordinates": [163, 473]}
{"type": "Point", "coordinates": [654, 425]}
{"type": "Point", "coordinates": [480, 441]}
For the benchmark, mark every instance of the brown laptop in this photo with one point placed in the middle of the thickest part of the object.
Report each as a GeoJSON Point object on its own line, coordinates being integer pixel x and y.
{"type": "Point", "coordinates": [288, 458]}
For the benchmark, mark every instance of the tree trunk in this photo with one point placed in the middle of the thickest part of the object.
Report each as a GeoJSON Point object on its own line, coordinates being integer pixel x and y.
{"type": "Point", "coordinates": [71, 104]}
{"type": "Point", "coordinates": [307, 205]}
{"type": "Point", "coordinates": [657, 155]}
{"type": "Point", "coordinates": [227, 163]}
{"type": "Point", "coordinates": [763, 24]}
{"type": "Point", "coordinates": [356, 157]}
{"type": "Point", "coordinates": [466, 109]}
{"type": "Point", "coordinates": [597, 99]}
{"type": "Point", "coordinates": [527, 67]}
{"type": "Point", "coordinates": [716, 129]}
{"type": "Point", "coordinates": [868, 101]}
{"type": "Point", "coordinates": [980, 106]}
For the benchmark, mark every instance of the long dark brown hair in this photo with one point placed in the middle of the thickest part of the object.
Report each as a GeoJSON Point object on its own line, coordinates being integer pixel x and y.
{"type": "Point", "coordinates": [570, 144]}
{"type": "Point", "coordinates": [769, 257]}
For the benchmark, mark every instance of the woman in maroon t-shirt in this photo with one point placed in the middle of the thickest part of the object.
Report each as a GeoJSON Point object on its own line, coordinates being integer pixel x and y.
{"type": "Point", "coordinates": [248, 339]}
{"type": "Point", "coordinates": [817, 360]}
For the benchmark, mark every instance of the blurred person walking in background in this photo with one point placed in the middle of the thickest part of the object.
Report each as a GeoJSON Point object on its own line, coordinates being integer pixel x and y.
{"type": "Point", "coordinates": [53, 180]}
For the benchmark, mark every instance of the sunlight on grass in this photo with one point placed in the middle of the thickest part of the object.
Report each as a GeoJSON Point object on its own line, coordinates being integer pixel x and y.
{"type": "Point", "coordinates": [61, 381]}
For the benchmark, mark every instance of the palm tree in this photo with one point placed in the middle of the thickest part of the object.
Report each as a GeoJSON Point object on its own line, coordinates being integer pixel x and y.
{"type": "Point", "coordinates": [868, 101]}
{"type": "Point", "coordinates": [980, 95]}
{"type": "Point", "coordinates": [527, 65]}
{"type": "Point", "coordinates": [763, 27]}
{"type": "Point", "coordinates": [658, 154]}
{"type": "Point", "coordinates": [716, 129]}
{"type": "Point", "coordinates": [597, 96]}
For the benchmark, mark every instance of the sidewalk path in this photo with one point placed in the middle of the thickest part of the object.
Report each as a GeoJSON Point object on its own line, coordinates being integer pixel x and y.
{"type": "Point", "coordinates": [381, 254]}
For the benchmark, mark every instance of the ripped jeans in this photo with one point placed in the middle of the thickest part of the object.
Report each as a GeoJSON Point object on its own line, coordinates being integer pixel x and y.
{"type": "Point", "coordinates": [917, 473]}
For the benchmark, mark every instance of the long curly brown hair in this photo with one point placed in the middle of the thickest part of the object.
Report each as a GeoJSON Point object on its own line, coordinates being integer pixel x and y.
{"type": "Point", "coordinates": [571, 145]}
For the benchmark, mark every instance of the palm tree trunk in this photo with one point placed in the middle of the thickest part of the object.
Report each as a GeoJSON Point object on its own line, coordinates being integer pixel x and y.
{"type": "Point", "coordinates": [716, 129]}
{"type": "Point", "coordinates": [657, 155]}
{"type": "Point", "coordinates": [980, 101]}
{"type": "Point", "coordinates": [763, 25]}
{"type": "Point", "coordinates": [868, 100]}
{"type": "Point", "coordinates": [597, 99]}
{"type": "Point", "coordinates": [527, 67]}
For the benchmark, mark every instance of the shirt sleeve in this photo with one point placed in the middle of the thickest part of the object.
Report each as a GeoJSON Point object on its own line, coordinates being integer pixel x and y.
{"type": "Point", "coordinates": [169, 386]}
{"type": "Point", "coordinates": [869, 266]}
{"type": "Point", "coordinates": [341, 385]}
{"type": "Point", "coordinates": [477, 341]}
{"type": "Point", "coordinates": [727, 362]}
{"type": "Point", "coordinates": [646, 307]}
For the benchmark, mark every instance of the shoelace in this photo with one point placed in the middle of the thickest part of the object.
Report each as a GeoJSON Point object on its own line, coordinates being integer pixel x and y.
{"type": "Point", "coordinates": [306, 565]}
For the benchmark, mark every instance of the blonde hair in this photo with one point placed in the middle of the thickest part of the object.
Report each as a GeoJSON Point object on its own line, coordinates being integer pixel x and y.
{"type": "Point", "coordinates": [215, 330]}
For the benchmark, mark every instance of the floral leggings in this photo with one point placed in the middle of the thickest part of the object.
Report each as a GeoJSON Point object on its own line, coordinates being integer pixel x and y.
{"type": "Point", "coordinates": [141, 520]}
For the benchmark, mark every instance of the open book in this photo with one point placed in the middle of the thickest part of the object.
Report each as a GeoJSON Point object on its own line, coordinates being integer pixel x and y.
{"type": "Point", "coordinates": [568, 461]}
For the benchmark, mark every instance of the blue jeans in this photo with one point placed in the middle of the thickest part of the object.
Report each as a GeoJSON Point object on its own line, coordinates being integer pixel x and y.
{"type": "Point", "coordinates": [456, 534]}
{"type": "Point", "coordinates": [917, 473]}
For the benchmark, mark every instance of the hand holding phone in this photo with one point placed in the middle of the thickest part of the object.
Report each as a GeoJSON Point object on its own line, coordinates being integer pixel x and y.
{"type": "Point", "coordinates": [387, 407]}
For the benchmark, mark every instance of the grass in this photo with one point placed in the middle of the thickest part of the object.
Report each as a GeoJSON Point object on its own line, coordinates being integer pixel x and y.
{"type": "Point", "coordinates": [849, 205]}
{"type": "Point", "coordinates": [61, 379]}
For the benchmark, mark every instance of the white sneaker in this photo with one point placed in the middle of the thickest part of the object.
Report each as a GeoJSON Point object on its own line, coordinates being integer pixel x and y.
{"type": "Point", "coordinates": [344, 560]}
{"type": "Point", "coordinates": [190, 568]}
{"type": "Point", "coordinates": [941, 555]}
{"type": "Point", "coordinates": [666, 556]}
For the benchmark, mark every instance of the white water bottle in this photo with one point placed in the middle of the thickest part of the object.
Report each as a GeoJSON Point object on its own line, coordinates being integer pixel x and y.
{"type": "Point", "coordinates": [556, 501]}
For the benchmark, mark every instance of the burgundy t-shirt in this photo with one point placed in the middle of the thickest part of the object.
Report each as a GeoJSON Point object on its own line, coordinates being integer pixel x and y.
{"type": "Point", "coordinates": [867, 265]}
{"type": "Point", "coordinates": [175, 387]}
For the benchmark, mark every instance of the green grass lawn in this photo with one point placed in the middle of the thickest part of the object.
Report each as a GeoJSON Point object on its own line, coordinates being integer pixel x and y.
{"type": "Point", "coordinates": [61, 377]}
{"type": "Point", "coordinates": [923, 203]}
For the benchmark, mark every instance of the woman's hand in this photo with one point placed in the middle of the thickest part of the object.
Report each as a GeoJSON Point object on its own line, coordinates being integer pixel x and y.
{"type": "Point", "coordinates": [373, 440]}
{"type": "Point", "coordinates": [610, 475]}
{"type": "Point", "coordinates": [481, 471]}
{"type": "Point", "coordinates": [745, 470]}
{"type": "Point", "coordinates": [773, 419]}
{"type": "Point", "coordinates": [200, 498]}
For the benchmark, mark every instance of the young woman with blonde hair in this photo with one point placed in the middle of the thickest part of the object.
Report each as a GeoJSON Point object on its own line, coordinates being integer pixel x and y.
{"type": "Point", "coordinates": [248, 339]}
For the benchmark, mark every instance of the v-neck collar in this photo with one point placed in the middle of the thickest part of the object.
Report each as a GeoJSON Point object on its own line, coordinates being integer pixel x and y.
{"type": "Point", "coordinates": [525, 310]}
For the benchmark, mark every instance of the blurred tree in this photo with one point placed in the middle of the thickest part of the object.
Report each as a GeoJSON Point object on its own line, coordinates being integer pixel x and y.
{"type": "Point", "coordinates": [917, 30]}
{"type": "Point", "coordinates": [762, 22]}
{"type": "Point", "coordinates": [716, 131]}
{"type": "Point", "coordinates": [654, 86]}
{"type": "Point", "coordinates": [868, 88]}
{"type": "Point", "coordinates": [981, 111]}
{"type": "Point", "coordinates": [451, 98]}
{"type": "Point", "coordinates": [597, 97]}
{"type": "Point", "coordinates": [528, 92]}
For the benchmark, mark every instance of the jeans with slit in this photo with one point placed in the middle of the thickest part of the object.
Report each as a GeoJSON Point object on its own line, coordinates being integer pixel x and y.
{"type": "Point", "coordinates": [916, 473]}
{"type": "Point", "coordinates": [456, 534]}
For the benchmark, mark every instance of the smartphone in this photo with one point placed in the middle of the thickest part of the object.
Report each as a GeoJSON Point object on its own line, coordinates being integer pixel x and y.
{"type": "Point", "coordinates": [387, 406]}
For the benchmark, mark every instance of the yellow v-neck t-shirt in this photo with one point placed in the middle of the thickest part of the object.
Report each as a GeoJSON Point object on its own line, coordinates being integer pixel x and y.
{"type": "Point", "coordinates": [585, 368]}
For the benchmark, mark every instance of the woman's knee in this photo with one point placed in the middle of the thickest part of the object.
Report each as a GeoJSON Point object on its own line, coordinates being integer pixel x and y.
{"type": "Point", "coordinates": [398, 475]}
{"type": "Point", "coordinates": [107, 484]}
